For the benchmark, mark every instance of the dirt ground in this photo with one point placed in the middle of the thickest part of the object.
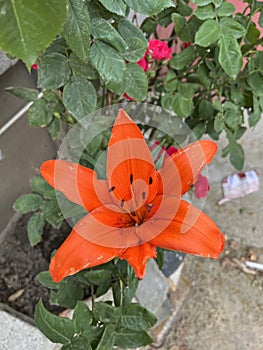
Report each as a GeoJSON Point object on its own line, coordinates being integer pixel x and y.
{"type": "Point", "coordinates": [20, 263]}
{"type": "Point", "coordinates": [224, 307]}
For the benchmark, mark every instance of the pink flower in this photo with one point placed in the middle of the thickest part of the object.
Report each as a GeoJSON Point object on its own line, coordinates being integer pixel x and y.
{"type": "Point", "coordinates": [35, 66]}
{"type": "Point", "coordinates": [128, 97]}
{"type": "Point", "coordinates": [186, 44]}
{"type": "Point", "coordinates": [201, 187]}
{"type": "Point", "coordinates": [168, 152]}
{"type": "Point", "coordinates": [159, 50]}
{"type": "Point", "coordinates": [143, 63]}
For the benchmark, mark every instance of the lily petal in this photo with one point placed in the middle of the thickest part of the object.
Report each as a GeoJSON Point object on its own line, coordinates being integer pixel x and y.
{"type": "Point", "coordinates": [109, 227]}
{"type": "Point", "coordinates": [180, 171]}
{"type": "Point", "coordinates": [192, 232]}
{"type": "Point", "coordinates": [76, 254]}
{"type": "Point", "coordinates": [79, 184]}
{"type": "Point", "coordinates": [138, 256]}
{"type": "Point", "coordinates": [130, 169]}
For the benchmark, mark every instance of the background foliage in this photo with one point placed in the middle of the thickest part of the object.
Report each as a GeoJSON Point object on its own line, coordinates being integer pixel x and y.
{"type": "Point", "coordinates": [86, 52]}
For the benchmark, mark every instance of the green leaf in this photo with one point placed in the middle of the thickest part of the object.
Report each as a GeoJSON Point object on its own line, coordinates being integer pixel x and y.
{"type": "Point", "coordinates": [183, 8]}
{"type": "Point", "coordinates": [98, 277]}
{"type": "Point", "coordinates": [27, 203]}
{"type": "Point", "coordinates": [76, 30]}
{"type": "Point", "coordinates": [46, 280]}
{"type": "Point", "coordinates": [82, 69]}
{"type": "Point", "coordinates": [253, 119]}
{"type": "Point", "coordinates": [253, 33]}
{"type": "Point", "coordinates": [233, 118]}
{"type": "Point", "coordinates": [135, 40]}
{"type": "Point", "coordinates": [39, 185]}
{"type": "Point", "coordinates": [110, 65]}
{"type": "Point", "coordinates": [137, 318]}
{"type": "Point", "coordinates": [54, 71]}
{"type": "Point", "coordinates": [205, 12]}
{"type": "Point", "coordinates": [82, 317]}
{"type": "Point", "coordinates": [115, 6]}
{"type": "Point", "coordinates": [208, 33]}
{"type": "Point", "coordinates": [74, 210]}
{"type": "Point", "coordinates": [149, 7]}
{"type": "Point", "coordinates": [170, 81]}
{"type": "Point", "coordinates": [103, 30]}
{"type": "Point", "coordinates": [27, 27]}
{"type": "Point", "coordinates": [188, 89]}
{"type": "Point", "coordinates": [40, 114]}
{"type": "Point", "coordinates": [77, 343]}
{"type": "Point", "coordinates": [182, 106]}
{"type": "Point", "coordinates": [67, 295]}
{"type": "Point", "coordinates": [148, 26]}
{"type": "Point", "coordinates": [35, 228]}
{"type": "Point", "coordinates": [52, 213]}
{"type": "Point", "coordinates": [219, 122]}
{"type": "Point", "coordinates": [255, 82]}
{"type": "Point", "coordinates": [183, 59]}
{"type": "Point", "coordinates": [205, 110]}
{"type": "Point", "coordinates": [54, 128]}
{"type": "Point", "coordinates": [57, 329]}
{"type": "Point", "coordinates": [106, 313]}
{"type": "Point", "coordinates": [136, 82]}
{"type": "Point", "coordinates": [79, 97]}
{"type": "Point", "coordinates": [107, 340]}
{"type": "Point", "coordinates": [25, 94]}
{"type": "Point", "coordinates": [202, 75]}
{"type": "Point", "coordinates": [202, 2]}
{"type": "Point", "coordinates": [237, 156]}
{"type": "Point", "coordinates": [232, 28]}
{"type": "Point", "coordinates": [199, 130]}
{"type": "Point", "coordinates": [126, 338]}
{"type": "Point", "coordinates": [226, 9]}
{"type": "Point", "coordinates": [230, 56]}
{"type": "Point", "coordinates": [179, 22]}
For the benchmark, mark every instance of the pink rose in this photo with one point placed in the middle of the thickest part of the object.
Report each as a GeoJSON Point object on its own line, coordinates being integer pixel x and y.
{"type": "Point", "coordinates": [35, 66]}
{"type": "Point", "coordinates": [143, 63]}
{"type": "Point", "coordinates": [128, 97]}
{"type": "Point", "coordinates": [159, 50]}
{"type": "Point", "coordinates": [201, 187]}
{"type": "Point", "coordinates": [168, 152]}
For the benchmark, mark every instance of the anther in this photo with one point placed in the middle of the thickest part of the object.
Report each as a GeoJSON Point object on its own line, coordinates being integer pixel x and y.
{"type": "Point", "coordinates": [131, 179]}
{"type": "Point", "coordinates": [122, 203]}
{"type": "Point", "coordinates": [112, 189]}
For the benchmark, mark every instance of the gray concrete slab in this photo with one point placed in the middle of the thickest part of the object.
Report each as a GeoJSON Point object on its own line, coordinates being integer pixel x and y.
{"type": "Point", "coordinates": [22, 147]}
{"type": "Point", "coordinates": [241, 218]}
{"type": "Point", "coordinates": [16, 334]}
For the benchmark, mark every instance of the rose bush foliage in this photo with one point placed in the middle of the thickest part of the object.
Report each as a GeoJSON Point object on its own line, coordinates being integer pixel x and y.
{"type": "Point", "coordinates": [205, 67]}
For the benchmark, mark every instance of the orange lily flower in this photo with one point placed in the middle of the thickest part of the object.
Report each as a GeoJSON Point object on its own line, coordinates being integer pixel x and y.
{"type": "Point", "coordinates": [137, 208]}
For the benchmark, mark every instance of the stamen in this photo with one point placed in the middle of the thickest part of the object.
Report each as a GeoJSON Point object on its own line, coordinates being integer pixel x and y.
{"type": "Point", "coordinates": [150, 180]}
{"type": "Point", "coordinates": [122, 203]}
{"type": "Point", "coordinates": [149, 207]}
{"type": "Point", "coordinates": [131, 179]}
{"type": "Point", "coordinates": [112, 189]}
{"type": "Point", "coordinates": [143, 195]}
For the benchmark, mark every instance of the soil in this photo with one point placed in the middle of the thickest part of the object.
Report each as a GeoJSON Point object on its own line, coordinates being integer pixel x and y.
{"type": "Point", "coordinates": [20, 263]}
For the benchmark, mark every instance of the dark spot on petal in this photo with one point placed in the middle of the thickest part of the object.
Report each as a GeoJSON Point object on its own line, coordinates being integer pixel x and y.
{"type": "Point", "coordinates": [150, 180]}
{"type": "Point", "coordinates": [112, 189]}
{"type": "Point", "coordinates": [133, 213]}
{"type": "Point", "coordinates": [122, 203]}
{"type": "Point", "coordinates": [149, 207]}
{"type": "Point", "coordinates": [131, 179]}
{"type": "Point", "coordinates": [143, 195]}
